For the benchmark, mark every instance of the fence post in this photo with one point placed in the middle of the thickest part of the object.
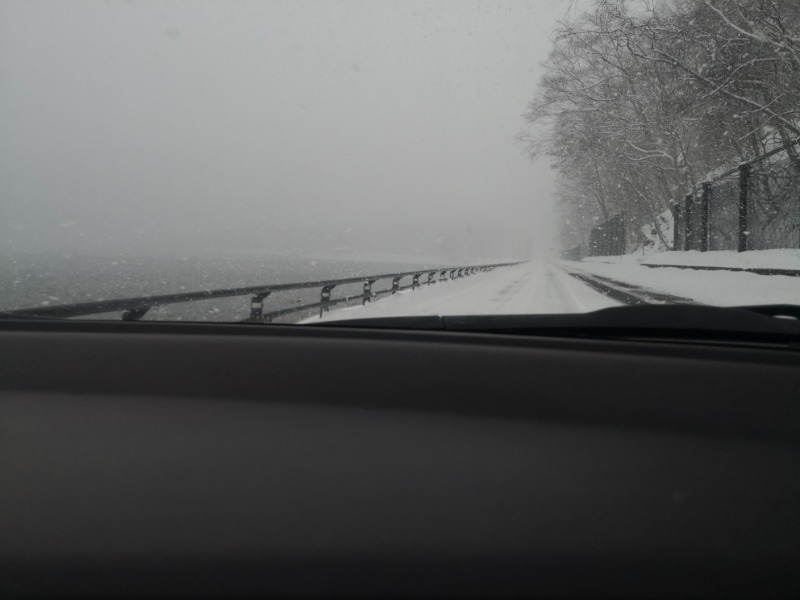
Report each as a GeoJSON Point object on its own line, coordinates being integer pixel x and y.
{"type": "Point", "coordinates": [704, 208]}
{"type": "Point", "coordinates": [744, 185]}
{"type": "Point", "coordinates": [688, 237]}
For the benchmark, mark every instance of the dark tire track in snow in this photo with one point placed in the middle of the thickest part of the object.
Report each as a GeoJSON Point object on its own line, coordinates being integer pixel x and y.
{"type": "Point", "coordinates": [626, 293]}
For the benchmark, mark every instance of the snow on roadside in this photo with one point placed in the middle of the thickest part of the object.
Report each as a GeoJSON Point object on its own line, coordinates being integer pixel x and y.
{"type": "Point", "coordinates": [754, 259]}
{"type": "Point", "coordinates": [720, 288]}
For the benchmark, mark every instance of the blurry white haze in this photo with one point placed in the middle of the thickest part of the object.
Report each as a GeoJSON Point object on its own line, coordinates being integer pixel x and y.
{"type": "Point", "coordinates": [363, 130]}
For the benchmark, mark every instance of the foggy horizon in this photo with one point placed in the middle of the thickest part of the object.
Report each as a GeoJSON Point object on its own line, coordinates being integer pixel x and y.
{"type": "Point", "coordinates": [258, 128]}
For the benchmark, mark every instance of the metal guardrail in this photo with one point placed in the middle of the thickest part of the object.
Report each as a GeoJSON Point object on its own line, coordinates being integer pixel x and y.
{"type": "Point", "coordinates": [133, 309]}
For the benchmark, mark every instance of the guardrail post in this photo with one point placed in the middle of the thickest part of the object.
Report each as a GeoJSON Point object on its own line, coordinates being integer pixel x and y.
{"type": "Point", "coordinates": [744, 188]}
{"type": "Point", "coordinates": [453, 273]}
{"type": "Point", "coordinates": [688, 237]}
{"type": "Point", "coordinates": [367, 291]}
{"type": "Point", "coordinates": [431, 278]}
{"type": "Point", "coordinates": [443, 276]}
{"type": "Point", "coordinates": [395, 285]}
{"type": "Point", "coordinates": [257, 306]}
{"type": "Point", "coordinates": [325, 298]}
{"type": "Point", "coordinates": [415, 282]}
{"type": "Point", "coordinates": [134, 314]}
{"type": "Point", "coordinates": [704, 208]}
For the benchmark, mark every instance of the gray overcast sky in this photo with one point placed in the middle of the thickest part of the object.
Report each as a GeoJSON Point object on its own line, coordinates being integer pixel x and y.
{"type": "Point", "coordinates": [237, 127]}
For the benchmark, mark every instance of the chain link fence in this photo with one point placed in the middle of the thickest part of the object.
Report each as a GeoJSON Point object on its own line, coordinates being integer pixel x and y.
{"type": "Point", "coordinates": [753, 207]}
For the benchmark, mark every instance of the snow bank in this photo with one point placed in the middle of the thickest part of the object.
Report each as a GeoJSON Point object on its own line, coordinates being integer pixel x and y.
{"type": "Point", "coordinates": [719, 288]}
{"type": "Point", "coordinates": [755, 259]}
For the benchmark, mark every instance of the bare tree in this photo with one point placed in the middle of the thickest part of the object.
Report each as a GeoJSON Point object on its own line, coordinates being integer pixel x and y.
{"type": "Point", "coordinates": [637, 107]}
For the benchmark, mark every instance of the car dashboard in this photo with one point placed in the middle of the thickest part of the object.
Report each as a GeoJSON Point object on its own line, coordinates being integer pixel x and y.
{"type": "Point", "coordinates": [146, 460]}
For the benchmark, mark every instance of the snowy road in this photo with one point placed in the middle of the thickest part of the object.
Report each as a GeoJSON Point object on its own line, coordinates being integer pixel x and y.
{"type": "Point", "coordinates": [564, 287]}
{"type": "Point", "coordinates": [528, 288]}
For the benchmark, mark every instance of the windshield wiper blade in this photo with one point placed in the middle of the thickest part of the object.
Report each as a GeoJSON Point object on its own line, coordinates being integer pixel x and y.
{"type": "Point", "coordinates": [749, 323]}
{"type": "Point", "coordinates": [781, 311]}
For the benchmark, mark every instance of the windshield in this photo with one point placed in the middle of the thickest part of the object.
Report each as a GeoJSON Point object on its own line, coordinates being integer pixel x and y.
{"type": "Point", "coordinates": [299, 161]}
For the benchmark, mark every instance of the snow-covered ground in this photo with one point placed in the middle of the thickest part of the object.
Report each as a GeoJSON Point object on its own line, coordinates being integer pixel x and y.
{"type": "Point", "coordinates": [755, 259]}
{"type": "Point", "coordinates": [546, 287]}
{"type": "Point", "coordinates": [529, 288]}
{"type": "Point", "coordinates": [720, 288]}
